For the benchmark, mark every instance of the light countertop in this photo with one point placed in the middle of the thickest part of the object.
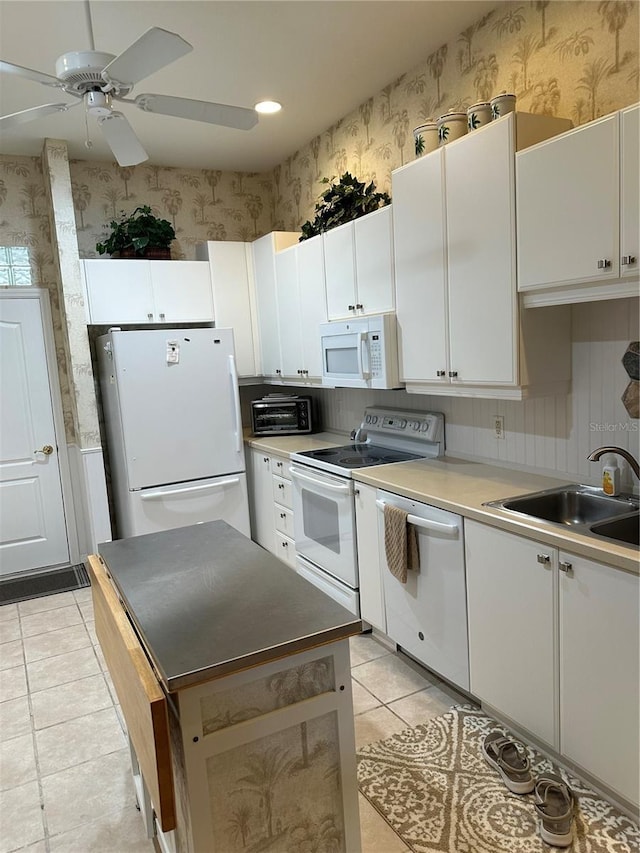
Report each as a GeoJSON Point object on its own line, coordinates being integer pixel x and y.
{"type": "Point", "coordinates": [286, 444]}
{"type": "Point", "coordinates": [461, 486]}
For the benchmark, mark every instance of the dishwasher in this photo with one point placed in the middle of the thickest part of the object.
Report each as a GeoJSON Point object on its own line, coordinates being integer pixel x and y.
{"type": "Point", "coordinates": [427, 615]}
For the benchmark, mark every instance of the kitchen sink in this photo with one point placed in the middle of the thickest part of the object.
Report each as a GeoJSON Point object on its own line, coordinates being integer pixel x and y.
{"type": "Point", "coordinates": [626, 529]}
{"type": "Point", "coordinates": [569, 506]}
{"type": "Point", "coordinates": [584, 509]}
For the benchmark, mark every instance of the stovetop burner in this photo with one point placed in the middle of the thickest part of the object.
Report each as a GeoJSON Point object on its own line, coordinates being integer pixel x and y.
{"type": "Point", "coordinates": [384, 436]}
{"type": "Point", "coordinates": [359, 455]}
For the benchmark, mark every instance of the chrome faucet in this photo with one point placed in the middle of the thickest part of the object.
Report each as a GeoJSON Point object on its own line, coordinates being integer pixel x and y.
{"type": "Point", "coordinates": [635, 467]}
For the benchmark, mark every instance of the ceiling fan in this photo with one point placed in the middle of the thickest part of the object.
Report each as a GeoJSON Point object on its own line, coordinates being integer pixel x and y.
{"type": "Point", "coordinates": [98, 79]}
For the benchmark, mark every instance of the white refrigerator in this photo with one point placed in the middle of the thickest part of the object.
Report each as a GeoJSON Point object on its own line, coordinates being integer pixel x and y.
{"type": "Point", "coordinates": [173, 427]}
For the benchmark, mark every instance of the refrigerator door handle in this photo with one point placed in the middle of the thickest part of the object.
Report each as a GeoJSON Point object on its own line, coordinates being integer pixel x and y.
{"type": "Point", "coordinates": [236, 402]}
{"type": "Point", "coordinates": [158, 494]}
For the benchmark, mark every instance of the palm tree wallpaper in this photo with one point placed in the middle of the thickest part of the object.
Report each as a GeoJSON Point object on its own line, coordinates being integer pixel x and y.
{"type": "Point", "coordinates": [280, 792]}
{"type": "Point", "coordinates": [576, 59]}
{"type": "Point", "coordinates": [262, 797]}
{"type": "Point", "coordinates": [226, 708]}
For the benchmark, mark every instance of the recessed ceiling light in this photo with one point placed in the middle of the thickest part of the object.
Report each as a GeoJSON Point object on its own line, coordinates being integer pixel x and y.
{"type": "Point", "coordinates": [268, 107]}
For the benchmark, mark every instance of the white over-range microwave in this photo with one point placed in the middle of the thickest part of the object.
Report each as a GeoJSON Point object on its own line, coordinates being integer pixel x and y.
{"type": "Point", "coordinates": [360, 353]}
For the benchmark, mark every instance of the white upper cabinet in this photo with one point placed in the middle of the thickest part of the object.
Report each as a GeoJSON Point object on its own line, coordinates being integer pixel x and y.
{"type": "Point", "coordinates": [301, 309]}
{"type": "Point", "coordinates": [359, 266]}
{"type": "Point", "coordinates": [289, 314]}
{"type": "Point", "coordinates": [460, 328]}
{"type": "Point", "coordinates": [483, 308]}
{"type": "Point", "coordinates": [630, 192]}
{"type": "Point", "coordinates": [141, 291]}
{"type": "Point", "coordinates": [264, 251]}
{"type": "Point", "coordinates": [421, 276]}
{"type": "Point", "coordinates": [577, 213]}
{"type": "Point", "coordinates": [313, 304]}
{"type": "Point", "coordinates": [231, 269]}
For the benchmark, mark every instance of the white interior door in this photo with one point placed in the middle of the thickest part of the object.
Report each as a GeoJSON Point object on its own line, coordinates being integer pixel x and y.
{"type": "Point", "coordinates": [32, 519]}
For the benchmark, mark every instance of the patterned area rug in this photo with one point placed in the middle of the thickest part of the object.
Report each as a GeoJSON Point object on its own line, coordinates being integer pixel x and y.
{"type": "Point", "coordinates": [434, 788]}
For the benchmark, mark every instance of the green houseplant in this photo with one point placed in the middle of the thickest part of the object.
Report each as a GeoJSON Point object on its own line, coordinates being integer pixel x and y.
{"type": "Point", "coordinates": [140, 234]}
{"type": "Point", "coordinates": [342, 202]}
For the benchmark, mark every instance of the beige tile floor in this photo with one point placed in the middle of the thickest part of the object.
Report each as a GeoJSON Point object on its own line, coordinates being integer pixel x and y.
{"type": "Point", "coordinates": [65, 780]}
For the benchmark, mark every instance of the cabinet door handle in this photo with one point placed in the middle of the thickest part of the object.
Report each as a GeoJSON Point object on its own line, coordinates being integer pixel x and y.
{"type": "Point", "coordinates": [545, 559]}
{"type": "Point", "coordinates": [351, 307]}
{"type": "Point", "coordinates": [150, 317]}
{"type": "Point", "coordinates": [453, 373]}
{"type": "Point", "coordinates": [285, 544]}
{"type": "Point", "coordinates": [265, 458]}
{"type": "Point", "coordinates": [626, 260]}
{"type": "Point", "coordinates": [300, 373]}
{"type": "Point", "coordinates": [567, 568]}
{"type": "Point", "coordinates": [441, 373]}
{"type": "Point", "coordinates": [281, 485]}
{"type": "Point", "coordinates": [359, 306]}
{"type": "Point", "coordinates": [604, 264]}
{"type": "Point", "coordinates": [279, 464]}
{"type": "Point", "coordinates": [162, 317]}
{"type": "Point", "coordinates": [282, 515]}
{"type": "Point", "coordinates": [278, 372]}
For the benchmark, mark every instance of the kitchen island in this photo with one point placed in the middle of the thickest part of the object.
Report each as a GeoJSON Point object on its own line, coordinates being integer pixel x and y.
{"type": "Point", "coordinates": [233, 676]}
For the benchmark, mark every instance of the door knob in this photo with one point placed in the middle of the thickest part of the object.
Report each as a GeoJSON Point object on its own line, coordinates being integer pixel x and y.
{"type": "Point", "coordinates": [47, 450]}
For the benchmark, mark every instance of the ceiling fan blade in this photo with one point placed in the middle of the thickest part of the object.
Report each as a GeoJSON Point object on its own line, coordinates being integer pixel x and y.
{"type": "Point", "coordinates": [122, 140]}
{"type": "Point", "coordinates": [30, 74]}
{"type": "Point", "coordinates": [13, 120]}
{"type": "Point", "coordinates": [151, 52]}
{"type": "Point", "coordinates": [240, 118]}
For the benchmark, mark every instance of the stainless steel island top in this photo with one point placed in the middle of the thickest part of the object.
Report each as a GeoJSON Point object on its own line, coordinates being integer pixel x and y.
{"type": "Point", "coordinates": [208, 602]}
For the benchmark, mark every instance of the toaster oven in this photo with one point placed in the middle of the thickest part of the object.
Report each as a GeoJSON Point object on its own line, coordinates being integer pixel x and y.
{"type": "Point", "coordinates": [281, 414]}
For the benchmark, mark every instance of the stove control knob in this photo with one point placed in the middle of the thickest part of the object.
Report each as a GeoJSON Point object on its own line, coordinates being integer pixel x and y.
{"type": "Point", "coordinates": [373, 419]}
{"type": "Point", "coordinates": [415, 425]}
{"type": "Point", "coordinates": [424, 427]}
{"type": "Point", "coordinates": [403, 424]}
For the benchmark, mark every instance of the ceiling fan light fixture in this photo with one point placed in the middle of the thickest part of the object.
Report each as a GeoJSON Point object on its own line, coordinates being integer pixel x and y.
{"type": "Point", "coordinates": [97, 103]}
{"type": "Point", "coordinates": [267, 107]}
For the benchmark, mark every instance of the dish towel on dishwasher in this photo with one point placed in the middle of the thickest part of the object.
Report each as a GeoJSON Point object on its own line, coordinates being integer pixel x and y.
{"type": "Point", "coordinates": [400, 543]}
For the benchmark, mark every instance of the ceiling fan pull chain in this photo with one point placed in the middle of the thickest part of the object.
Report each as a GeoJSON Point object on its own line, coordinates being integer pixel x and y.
{"type": "Point", "coordinates": [87, 10]}
{"type": "Point", "coordinates": [87, 143]}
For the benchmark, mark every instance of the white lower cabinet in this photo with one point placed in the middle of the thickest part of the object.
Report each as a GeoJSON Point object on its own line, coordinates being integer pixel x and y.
{"type": "Point", "coordinates": [271, 504]}
{"type": "Point", "coordinates": [553, 643]}
{"type": "Point", "coordinates": [371, 588]}
{"type": "Point", "coordinates": [261, 499]}
{"type": "Point", "coordinates": [510, 602]}
{"type": "Point", "coordinates": [599, 669]}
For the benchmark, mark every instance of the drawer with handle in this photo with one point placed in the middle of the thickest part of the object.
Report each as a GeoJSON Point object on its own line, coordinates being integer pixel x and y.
{"type": "Point", "coordinates": [284, 520]}
{"type": "Point", "coordinates": [285, 549]}
{"type": "Point", "coordinates": [282, 491]}
{"type": "Point", "coordinates": [280, 467]}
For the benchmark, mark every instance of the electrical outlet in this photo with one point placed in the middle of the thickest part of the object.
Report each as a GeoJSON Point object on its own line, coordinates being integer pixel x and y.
{"type": "Point", "coordinates": [498, 426]}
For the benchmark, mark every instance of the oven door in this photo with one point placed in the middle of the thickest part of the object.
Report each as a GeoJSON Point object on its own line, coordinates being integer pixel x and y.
{"type": "Point", "coordinates": [324, 522]}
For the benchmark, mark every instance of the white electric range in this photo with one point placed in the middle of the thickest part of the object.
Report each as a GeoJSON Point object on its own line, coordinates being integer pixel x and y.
{"type": "Point", "coordinates": [323, 493]}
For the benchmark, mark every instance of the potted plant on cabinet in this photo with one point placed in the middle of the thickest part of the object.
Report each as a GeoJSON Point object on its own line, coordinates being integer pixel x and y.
{"type": "Point", "coordinates": [344, 201]}
{"type": "Point", "coordinates": [140, 234]}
